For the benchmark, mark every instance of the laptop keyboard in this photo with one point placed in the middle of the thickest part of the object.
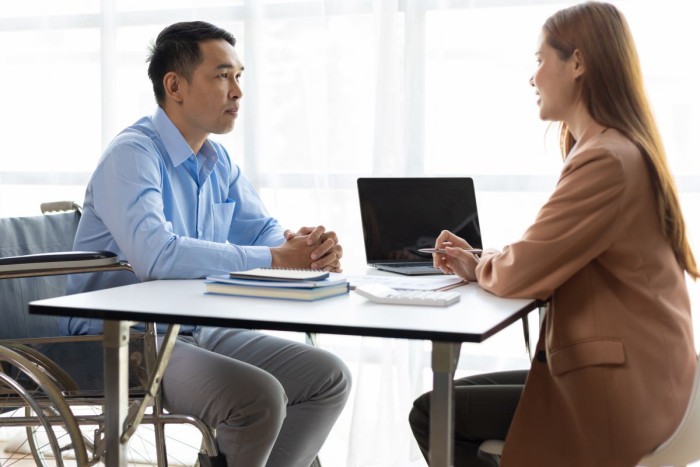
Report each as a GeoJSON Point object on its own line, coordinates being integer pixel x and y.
{"type": "Point", "coordinates": [409, 264]}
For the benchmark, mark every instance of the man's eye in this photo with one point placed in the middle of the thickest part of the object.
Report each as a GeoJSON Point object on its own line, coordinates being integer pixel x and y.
{"type": "Point", "coordinates": [239, 77]}
{"type": "Point", "coordinates": [223, 75]}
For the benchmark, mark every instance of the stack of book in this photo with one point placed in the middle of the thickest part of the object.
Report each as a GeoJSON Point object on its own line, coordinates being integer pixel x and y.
{"type": "Point", "coordinates": [291, 284]}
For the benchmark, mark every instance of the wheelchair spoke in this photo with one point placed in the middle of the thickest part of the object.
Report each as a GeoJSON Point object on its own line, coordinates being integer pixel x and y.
{"type": "Point", "coordinates": [13, 461]}
{"type": "Point", "coordinates": [33, 406]}
{"type": "Point", "coordinates": [48, 421]}
{"type": "Point", "coordinates": [147, 448]}
{"type": "Point", "coordinates": [172, 440]}
{"type": "Point", "coordinates": [15, 457]}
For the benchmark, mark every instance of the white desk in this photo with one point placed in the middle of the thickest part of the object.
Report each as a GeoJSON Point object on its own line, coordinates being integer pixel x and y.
{"type": "Point", "coordinates": [476, 317]}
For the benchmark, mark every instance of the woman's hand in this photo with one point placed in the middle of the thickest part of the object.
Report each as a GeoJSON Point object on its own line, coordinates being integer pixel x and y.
{"type": "Point", "coordinates": [455, 260]}
{"type": "Point", "coordinates": [458, 261]}
{"type": "Point", "coordinates": [451, 239]}
{"type": "Point", "coordinates": [447, 239]}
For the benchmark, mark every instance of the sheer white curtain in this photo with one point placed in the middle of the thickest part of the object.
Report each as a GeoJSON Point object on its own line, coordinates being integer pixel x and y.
{"type": "Point", "coordinates": [334, 90]}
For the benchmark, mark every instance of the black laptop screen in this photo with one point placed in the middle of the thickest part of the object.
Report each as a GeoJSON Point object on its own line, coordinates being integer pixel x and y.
{"type": "Point", "coordinates": [401, 215]}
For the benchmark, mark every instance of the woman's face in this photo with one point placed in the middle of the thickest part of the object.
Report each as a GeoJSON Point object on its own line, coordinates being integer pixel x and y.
{"type": "Point", "coordinates": [554, 82]}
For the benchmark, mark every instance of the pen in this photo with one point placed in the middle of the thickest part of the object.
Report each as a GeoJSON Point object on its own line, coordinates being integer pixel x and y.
{"type": "Point", "coordinates": [441, 251]}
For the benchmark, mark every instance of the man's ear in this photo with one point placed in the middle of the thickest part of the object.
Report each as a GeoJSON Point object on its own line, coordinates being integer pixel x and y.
{"type": "Point", "coordinates": [578, 64]}
{"type": "Point", "coordinates": [172, 82]}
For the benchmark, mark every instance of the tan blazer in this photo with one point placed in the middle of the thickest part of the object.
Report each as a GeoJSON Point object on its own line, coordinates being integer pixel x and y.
{"type": "Point", "coordinates": [615, 359]}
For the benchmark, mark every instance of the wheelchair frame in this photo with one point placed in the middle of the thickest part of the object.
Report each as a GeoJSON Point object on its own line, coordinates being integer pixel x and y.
{"type": "Point", "coordinates": [31, 381]}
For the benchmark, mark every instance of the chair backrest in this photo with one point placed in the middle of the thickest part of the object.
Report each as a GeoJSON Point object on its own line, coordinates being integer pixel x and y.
{"type": "Point", "coordinates": [46, 234]}
{"type": "Point", "coordinates": [682, 448]}
{"type": "Point", "coordinates": [24, 236]}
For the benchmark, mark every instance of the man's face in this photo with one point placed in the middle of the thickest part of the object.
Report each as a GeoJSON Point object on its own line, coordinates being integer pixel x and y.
{"type": "Point", "coordinates": [212, 97]}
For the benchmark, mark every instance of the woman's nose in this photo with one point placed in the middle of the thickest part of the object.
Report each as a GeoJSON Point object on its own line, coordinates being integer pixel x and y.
{"type": "Point", "coordinates": [532, 81]}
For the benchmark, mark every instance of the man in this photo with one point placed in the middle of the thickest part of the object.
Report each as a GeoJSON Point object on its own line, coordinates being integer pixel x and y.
{"type": "Point", "coordinates": [171, 202]}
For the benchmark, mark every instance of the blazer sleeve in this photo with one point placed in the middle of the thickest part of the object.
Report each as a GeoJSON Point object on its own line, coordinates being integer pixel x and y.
{"type": "Point", "coordinates": [576, 225]}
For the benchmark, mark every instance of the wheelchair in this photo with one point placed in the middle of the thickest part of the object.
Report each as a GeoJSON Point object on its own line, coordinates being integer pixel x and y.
{"type": "Point", "coordinates": [51, 386]}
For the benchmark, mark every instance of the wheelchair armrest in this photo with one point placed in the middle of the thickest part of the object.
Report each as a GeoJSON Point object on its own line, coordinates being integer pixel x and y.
{"type": "Point", "coordinates": [64, 262]}
{"type": "Point", "coordinates": [59, 206]}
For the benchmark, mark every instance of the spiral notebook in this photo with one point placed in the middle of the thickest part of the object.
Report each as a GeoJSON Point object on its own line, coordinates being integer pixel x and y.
{"type": "Point", "coordinates": [280, 274]}
{"type": "Point", "coordinates": [333, 278]}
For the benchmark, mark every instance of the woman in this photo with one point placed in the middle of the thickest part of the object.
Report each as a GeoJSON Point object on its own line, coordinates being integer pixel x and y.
{"type": "Point", "coordinates": [615, 359]}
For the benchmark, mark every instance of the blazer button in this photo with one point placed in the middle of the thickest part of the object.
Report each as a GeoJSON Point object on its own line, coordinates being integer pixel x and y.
{"type": "Point", "coordinates": [541, 356]}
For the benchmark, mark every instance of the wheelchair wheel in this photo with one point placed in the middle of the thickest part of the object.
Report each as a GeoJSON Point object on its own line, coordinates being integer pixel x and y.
{"type": "Point", "coordinates": [28, 398]}
{"type": "Point", "coordinates": [183, 441]}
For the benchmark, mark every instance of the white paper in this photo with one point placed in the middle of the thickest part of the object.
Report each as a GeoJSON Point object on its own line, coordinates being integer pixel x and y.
{"type": "Point", "coordinates": [405, 282]}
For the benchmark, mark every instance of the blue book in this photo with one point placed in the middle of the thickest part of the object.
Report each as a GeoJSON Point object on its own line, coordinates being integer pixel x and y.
{"type": "Point", "coordinates": [331, 279]}
{"type": "Point", "coordinates": [285, 292]}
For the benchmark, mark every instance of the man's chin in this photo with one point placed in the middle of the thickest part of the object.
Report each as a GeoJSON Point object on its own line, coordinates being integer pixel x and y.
{"type": "Point", "coordinates": [223, 130]}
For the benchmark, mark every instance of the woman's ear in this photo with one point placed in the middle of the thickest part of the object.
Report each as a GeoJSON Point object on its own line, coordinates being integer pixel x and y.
{"type": "Point", "coordinates": [173, 86]}
{"type": "Point", "coordinates": [578, 64]}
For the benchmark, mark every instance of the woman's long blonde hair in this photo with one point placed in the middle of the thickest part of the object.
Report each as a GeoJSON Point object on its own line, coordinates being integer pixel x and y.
{"type": "Point", "coordinates": [613, 92]}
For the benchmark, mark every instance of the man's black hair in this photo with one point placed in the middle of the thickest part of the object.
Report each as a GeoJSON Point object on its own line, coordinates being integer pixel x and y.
{"type": "Point", "coordinates": [177, 49]}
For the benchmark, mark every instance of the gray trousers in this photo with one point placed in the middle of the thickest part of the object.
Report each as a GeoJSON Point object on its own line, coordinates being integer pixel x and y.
{"type": "Point", "coordinates": [484, 407]}
{"type": "Point", "coordinates": [272, 401]}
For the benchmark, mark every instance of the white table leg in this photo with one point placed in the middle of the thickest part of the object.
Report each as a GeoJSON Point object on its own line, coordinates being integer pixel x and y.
{"type": "Point", "coordinates": [445, 356]}
{"type": "Point", "coordinates": [116, 358]}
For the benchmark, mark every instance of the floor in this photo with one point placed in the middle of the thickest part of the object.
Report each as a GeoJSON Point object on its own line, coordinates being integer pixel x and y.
{"type": "Point", "coordinates": [141, 451]}
{"type": "Point", "coordinates": [25, 461]}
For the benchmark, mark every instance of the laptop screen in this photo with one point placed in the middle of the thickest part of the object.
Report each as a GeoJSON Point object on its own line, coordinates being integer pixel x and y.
{"type": "Point", "coordinates": [401, 215]}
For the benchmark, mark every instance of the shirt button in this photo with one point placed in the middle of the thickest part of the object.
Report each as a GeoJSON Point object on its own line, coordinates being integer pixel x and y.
{"type": "Point", "coordinates": [199, 234]}
{"type": "Point", "coordinates": [542, 356]}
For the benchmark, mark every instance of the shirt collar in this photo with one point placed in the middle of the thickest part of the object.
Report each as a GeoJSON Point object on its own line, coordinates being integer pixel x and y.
{"type": "Point", "coordinates": [176, 146]}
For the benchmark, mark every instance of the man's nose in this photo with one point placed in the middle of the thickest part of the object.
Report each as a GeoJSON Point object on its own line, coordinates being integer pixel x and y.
{"type": "Point", "coordinates": [235, 91]}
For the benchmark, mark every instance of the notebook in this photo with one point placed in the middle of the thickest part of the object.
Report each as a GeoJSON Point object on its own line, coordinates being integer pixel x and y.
{"type": "Point", "coordinates": [402, 215]}
{"type": "Point", "coordinates": [280, 274]}
{"type": "Point", "coordinates": [289, 293]}
{"type": "Point", "coordinates": [332, 278]}
{"type": "Point", "coordinates": [333, 284]}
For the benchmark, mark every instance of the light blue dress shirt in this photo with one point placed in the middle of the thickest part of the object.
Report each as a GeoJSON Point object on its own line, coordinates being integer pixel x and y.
{"type": "Point", "coordinates": [168, 212]}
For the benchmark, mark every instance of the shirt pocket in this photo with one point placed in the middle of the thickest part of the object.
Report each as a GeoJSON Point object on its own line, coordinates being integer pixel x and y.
{"type": "Point", "coordinates": [222, 215]}
{"type": "Point", "coordinates": [599, 351]}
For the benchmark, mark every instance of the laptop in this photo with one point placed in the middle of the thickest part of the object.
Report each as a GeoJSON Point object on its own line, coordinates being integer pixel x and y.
{"type": "Point", "coordinates": [402, 215]}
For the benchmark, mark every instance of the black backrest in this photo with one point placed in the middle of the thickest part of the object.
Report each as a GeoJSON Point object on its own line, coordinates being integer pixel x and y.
{"type": "Point", "coordinates": [30, 235]}
{"type": "Point", "coordinates": [47, 234]}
